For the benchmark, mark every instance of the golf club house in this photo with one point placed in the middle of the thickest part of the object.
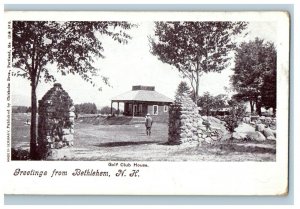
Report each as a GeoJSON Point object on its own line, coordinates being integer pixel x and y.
{"type": "Point", "coordinates": [142, 100]}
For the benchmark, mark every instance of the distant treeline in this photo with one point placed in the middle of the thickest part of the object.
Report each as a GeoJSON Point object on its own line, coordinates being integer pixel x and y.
{"type": "Point", "coordinates": [107, 110]}
{"type": "Point", "coordinates": [91, 108]}
{"type": "Point", "coordinates": [21, 109]}
{"type": "Point", "coordinates": [86, 108]}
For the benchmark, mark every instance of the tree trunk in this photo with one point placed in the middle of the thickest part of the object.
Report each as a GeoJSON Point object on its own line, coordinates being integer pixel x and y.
{"type": "Point", "coordinates": [197, 88]}
{"type": "Point", "coordinates": [258, 108]}
{"type": "Point", "coordinates": [252, 106]}
{"type": "Point", "coordinates": [196, 94]}
{"type": "Point", "coordinates": [33, 143]}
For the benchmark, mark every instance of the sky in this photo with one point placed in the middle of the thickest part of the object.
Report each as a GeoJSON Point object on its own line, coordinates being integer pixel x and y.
{"type": "Point", "coordinates": [133, 64]}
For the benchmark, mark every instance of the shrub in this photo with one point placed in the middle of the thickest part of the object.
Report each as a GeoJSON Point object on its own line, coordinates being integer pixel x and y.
{"type": "Point", "coordinates": [19, 154]}
{"type": "Point", "coordinates": [236, 114]}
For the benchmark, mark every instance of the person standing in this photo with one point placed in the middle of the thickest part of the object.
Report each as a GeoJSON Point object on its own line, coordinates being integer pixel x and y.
{"type": "Point", "coordinates": [148, 124]}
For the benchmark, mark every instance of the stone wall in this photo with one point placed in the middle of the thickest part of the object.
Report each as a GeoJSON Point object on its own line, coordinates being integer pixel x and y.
{"type": "Point", "coordinates": [187, 125]}
{"type": "Point", "coordinates": [55, 123]}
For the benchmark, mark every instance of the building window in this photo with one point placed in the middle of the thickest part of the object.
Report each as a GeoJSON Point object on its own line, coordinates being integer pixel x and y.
{"type": "Point", "coordinates": [155, 110]}
{"type": "Point", "coordinates": [140, 108]}
{"type": "Point", "coordinates": [165, 108]}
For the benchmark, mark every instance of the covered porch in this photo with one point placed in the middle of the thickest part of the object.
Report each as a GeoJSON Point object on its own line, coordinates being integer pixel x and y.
{"type": "Point", "coordinates": [131, 108]}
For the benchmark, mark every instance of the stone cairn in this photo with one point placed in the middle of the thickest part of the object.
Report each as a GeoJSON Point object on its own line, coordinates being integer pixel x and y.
{"type": "Point", "coordinates": [186, 124]}
{"type": "Point", "coordinates": [55, 123]}
{"type": "Point", "coordinates": [184, 121]}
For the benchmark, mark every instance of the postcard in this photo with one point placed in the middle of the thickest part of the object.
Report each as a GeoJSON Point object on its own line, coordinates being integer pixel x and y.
{"type": "Point", "coordinates": [147, 103]}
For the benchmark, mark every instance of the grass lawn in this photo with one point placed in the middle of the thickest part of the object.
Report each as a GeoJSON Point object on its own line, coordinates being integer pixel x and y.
{"type": "Point", "coordinates": [130, 143]}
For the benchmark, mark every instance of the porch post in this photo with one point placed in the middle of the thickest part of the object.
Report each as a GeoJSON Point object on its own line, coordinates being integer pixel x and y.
{"type": "Point", "coordinates": [132, 109]}
{"type": "Point", "coordinates": [118, 109]}
{"type": "Point", "coordinates": [111, 107]}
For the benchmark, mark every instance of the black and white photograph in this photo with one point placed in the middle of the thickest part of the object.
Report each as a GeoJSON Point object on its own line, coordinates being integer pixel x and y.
{"type": "Point", "coordinates": [148, 89]}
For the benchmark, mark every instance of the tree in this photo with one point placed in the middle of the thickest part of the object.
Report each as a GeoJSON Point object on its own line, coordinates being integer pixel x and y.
{"type": "Point", "coordinates": [71, 46]}
{"type": "Point", "coordinates": [220, 101]}
{"type": "Point", "coordinates": [182, 88]}
{"type": "Point", "coordinates": [268, 91]}
{"type": "Point", "coordinates": [208, 103]}
{"type": "Point", "coordinates": [254, 77]}
{"type": "Point", "coordinates": [195, 48]}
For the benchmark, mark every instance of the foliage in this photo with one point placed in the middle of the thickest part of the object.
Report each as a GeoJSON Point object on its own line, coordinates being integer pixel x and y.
{"type": "Point", "coordinates": [107, 110]}
{"type": "Point", "coordinates": [205, 102]}
{"type": "Point", "coordinates": [86, 108]}
{"type": "Point", "coordinates": [268, 90]}
{"type": "Point", "coordinates": [29, 110]}
{"type": "Point", "coordinates": [254, 77]}
{"type": "Point", "coordinates": [70, 46]}
{"type": "Point", "coordinates": [19, 154]}
{"type": "Point", "coordinates": [208, 103]}
{"type": "Point", "coordinates": [195, 48]}
{"type": "Point", "coordinates": [20, 109]}
{"type": "Point", "coordinates": [182, 88]}
{"type": "Point", "coordinates": [236, 113]}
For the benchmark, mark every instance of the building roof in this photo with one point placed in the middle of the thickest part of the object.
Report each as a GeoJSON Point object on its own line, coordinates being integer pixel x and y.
{"type": "Point", "coordinates": [142, 93]}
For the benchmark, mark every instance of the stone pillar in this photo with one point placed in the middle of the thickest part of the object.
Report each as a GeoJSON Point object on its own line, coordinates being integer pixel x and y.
{"type": "Point", "coordinates": [184, 121]}
{"type": "Point", "coordinates": [55, 124]}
